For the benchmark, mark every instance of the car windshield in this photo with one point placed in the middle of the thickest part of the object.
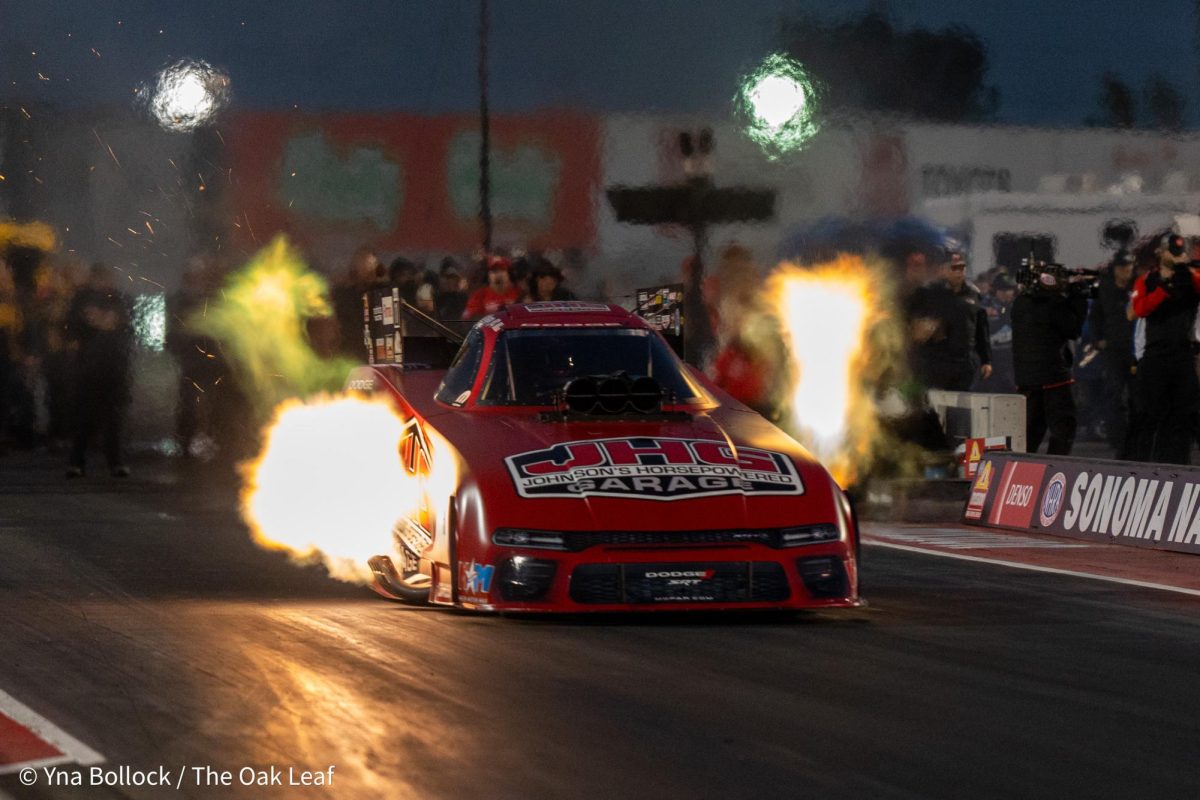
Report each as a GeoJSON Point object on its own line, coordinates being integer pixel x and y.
{"type": "Point", "coordinates": [529, 366]}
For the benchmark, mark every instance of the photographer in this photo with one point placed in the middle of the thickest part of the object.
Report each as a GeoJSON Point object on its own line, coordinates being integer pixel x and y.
{"type": "Point", "coordinates": [1168, 391]}
{"type": "Point", "coordinates": [1046, 317]}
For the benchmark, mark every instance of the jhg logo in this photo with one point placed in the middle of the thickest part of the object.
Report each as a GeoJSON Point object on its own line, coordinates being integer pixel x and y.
{"type": "Point", "coordinates": [652, 468]}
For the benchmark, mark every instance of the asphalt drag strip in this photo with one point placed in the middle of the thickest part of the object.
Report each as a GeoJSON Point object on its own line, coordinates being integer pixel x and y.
{"type": "Point", "coordinates": [1132, 566]}
{"type": "Point", "coordinates": [138, 618]}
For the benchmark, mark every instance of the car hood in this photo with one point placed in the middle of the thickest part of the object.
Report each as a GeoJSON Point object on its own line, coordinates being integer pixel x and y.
{"type": "Point", "coordinates": [724, 468]}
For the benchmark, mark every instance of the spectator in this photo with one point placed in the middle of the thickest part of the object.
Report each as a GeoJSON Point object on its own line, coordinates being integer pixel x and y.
{"type": "Point", "coordinates": [200, 364]}
{"type": "Point", "coordinates": [99, 323]}
{"type": "Point", "coordinates": [546, 282]}
{"type": "Point", "coordinates": [1047, 317]}
{"type": "Point", "coordinates": [1168, 390]}
{"type": "Point", "coordinates": [347, 297]}
{"type": "Point", "coordinates": [498, 293]}
{"type": "Point", "coordinates": [60, 285]}
{"type": "Point", "coordinates": [406, 277]}
{"type": "Point", "coordinates": [998, 310]}
{"type": "Point", "coordinates": [520, 273]}
{"type": "Point", "coordinates": [950, 330]}
{"type": "Point", "coordinates": [1112, 334]}
{"type": "Point", "coordinates": [452, 293]}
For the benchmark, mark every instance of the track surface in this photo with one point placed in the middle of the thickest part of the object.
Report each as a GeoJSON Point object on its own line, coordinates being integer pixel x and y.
{"type": "Point", "coordinates": [137, 618]}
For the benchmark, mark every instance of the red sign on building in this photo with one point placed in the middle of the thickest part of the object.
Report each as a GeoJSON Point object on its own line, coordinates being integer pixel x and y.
{"type": "Point", "coordinates": [403, 181]}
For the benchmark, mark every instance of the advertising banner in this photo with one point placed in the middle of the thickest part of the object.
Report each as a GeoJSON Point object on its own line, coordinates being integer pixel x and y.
{"type": "Point", "coordinates": [1116, 502]}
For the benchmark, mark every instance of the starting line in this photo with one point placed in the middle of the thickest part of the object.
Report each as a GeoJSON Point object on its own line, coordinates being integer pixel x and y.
{"type": "Point", "coordinates": [29, 740]}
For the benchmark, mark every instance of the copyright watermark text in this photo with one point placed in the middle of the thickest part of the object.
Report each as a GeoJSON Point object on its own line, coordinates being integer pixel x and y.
{"type": "Point", "coordinates": [177, 778]}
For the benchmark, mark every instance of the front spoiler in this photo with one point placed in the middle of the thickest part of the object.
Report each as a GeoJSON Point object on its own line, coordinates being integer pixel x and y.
{"type": "Point", "coordinates": [558, 598]}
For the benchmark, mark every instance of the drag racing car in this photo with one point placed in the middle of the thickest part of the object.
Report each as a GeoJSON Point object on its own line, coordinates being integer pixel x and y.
{"type": "Point", "coordinates": [594, 471]}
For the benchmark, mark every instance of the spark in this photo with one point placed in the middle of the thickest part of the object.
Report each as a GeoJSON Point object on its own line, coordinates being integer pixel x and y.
{"type": "Point", "coordinates": [105, 145]}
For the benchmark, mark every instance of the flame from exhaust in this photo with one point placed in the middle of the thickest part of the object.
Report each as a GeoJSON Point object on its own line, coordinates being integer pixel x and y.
{"type": "Point", "coordinates": [841, 337]}
{"type": "Point", "coordinates": [329, 484]}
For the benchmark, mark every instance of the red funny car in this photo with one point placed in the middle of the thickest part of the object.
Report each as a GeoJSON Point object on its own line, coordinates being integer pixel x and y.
{"type": "Point", "coordinates": [597, 472]}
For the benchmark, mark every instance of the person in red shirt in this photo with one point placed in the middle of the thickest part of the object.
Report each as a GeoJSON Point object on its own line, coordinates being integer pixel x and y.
{"type": "Point", "coordinates": [1168, 390]}
{"type": "Point", "coordinates": [499, 292]}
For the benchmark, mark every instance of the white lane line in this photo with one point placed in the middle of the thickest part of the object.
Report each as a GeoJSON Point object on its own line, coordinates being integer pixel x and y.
{"type": "Point", "coordinates": [958, 539]}
{"type": "Point", "coordinates": [1034, 568]}
{"type": "Point", "coordinates": [73, 750]}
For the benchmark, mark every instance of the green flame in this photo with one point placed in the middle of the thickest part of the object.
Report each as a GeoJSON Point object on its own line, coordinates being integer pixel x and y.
{"type": "Point", "coordinates": [260, 318]}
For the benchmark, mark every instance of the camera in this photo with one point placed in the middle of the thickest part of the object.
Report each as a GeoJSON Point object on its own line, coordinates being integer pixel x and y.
{"type": "Point", "coordinates": [1047, 277]}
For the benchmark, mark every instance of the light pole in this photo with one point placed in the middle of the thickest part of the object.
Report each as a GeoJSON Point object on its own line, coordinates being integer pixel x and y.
{"type": "Point", "coordinates": [485, 184]}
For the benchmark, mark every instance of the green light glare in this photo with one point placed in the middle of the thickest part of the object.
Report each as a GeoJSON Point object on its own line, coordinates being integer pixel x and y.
{"type": "Point", "coordinates": [778, 105]}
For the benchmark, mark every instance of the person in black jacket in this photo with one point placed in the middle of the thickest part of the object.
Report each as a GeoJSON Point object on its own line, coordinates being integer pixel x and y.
{"type": "Point", "coordinates": [1168, 390]}
{"type": "Point", "coordinates": [951, 331]}
{"type": "Point", "coordinates": [99, 323]}
{"type": "Point", "coordinates": [1112, 332]}
{"type": "Point", "coordinates": [1046, 318]}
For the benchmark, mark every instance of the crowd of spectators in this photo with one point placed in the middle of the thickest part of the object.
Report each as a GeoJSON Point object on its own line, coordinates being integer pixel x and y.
{"type": "Point", "coordinates": [1109, 366]}
{"type": "Point", "coordinates": [1112, 358]}
{"type": "Point", "coordinates": [67, 341]}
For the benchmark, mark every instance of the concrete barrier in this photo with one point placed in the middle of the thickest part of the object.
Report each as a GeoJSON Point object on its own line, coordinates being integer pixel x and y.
{"type": "Point", "coordinates": [1116, 502]}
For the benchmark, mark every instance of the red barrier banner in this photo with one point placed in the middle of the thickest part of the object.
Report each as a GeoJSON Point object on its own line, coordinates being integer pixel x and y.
{"type": "Point", "coordinates": [1116, 502]}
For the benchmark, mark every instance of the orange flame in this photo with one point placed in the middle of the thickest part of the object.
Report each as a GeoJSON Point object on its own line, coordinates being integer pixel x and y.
{"type": "Point", "coordinates": [329, 484]}
{"type": "Point", "coordinates": [838, 330]}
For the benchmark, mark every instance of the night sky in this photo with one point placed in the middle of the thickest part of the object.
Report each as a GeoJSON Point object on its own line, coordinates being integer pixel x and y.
{"type": "Point", "coordinates": [615, 55]}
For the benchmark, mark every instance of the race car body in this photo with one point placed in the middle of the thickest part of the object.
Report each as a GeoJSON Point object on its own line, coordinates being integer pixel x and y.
{"type": "Point", "coordinates": [594, 471]}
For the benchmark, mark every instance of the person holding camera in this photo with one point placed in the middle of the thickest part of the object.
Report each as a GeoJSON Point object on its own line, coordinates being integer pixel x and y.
{"type": "Point", "coordinates": [1046, 318]}
{"type": "Point", "coordinates": [1168, 389]}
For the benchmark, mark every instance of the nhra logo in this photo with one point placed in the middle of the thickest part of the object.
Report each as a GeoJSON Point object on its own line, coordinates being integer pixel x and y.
{"type": "Point", "coordinates": [1052, 500]}
{"type": "Point", "coordinates": [652, 468]}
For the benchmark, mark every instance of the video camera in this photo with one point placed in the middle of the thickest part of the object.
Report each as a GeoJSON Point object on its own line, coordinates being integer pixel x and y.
{"type": "Point", "coordinates": [1051, 278]}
